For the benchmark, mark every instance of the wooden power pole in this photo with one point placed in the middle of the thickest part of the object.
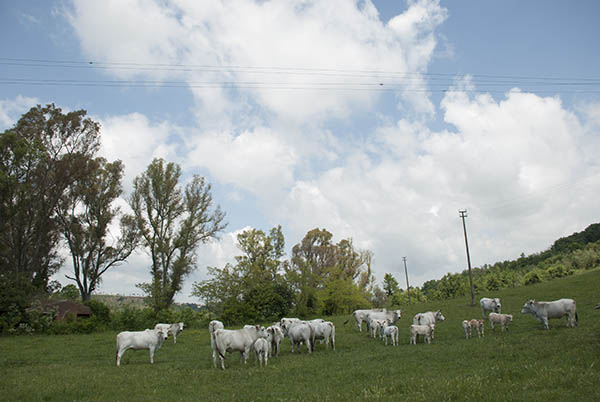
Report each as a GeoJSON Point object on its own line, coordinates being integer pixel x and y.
{"type": "Point", "coordinates": [463, 215]}
{"type": "Point", "coordinates": [406, 273]}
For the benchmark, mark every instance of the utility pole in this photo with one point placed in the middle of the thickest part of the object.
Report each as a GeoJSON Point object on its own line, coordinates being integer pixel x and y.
{"type": "Point", "coordinates": [463, 215]}
{"type": "Point", "coordinates": [406, 273]}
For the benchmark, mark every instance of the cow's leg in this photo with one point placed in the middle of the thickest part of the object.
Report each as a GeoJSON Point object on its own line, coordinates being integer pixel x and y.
{"type": "Point", "coordinates": [546, 323]}
{"type": "Point", "coordinates": [151, 355]}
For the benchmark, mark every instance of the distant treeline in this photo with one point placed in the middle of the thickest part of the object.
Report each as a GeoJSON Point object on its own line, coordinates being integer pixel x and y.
{"type": "Point", "coordinates": [567, 256]}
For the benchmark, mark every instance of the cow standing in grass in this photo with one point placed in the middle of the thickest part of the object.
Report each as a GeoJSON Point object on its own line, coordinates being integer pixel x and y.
{"type": "Point", "coordinates": [240, 340]}
{"type": "Point", "coordinates": [467, 328]}
{"type": "Point", "coordinates": [151, 339]}
{"type": "Point", "coordinates": [542, 311]}
{"type": "Point", "coordinates": [425, 330]}
{"type": "Point", "coordinates": [502, 319]}
{"type": "Point", "coordinates": [212, 327]}
{"type": "Point", "coordinates": [173, 329]}
{"type": "Point", "coordinates": [478, 326]}
{"type": "Point", "coordinates": [362, 315]}
{"type": "Point", "coordinates": [491, 305]}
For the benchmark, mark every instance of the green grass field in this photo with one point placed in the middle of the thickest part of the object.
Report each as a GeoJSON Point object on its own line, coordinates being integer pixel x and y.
{"type": "Point", "coordinates": [527, 363]}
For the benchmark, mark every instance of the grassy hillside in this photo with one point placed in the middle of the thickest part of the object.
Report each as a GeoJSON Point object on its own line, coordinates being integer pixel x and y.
{"type": "Point", "coordinates": [527, 363]}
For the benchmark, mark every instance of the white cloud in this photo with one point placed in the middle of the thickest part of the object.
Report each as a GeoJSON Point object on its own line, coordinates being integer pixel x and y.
{"type": "Point", "coordinates": [257, 161]}
{"type": "Point", "coordinates": [136, 141]}
{"type": "Point", "coordinates": [514, 164]}
{"type": "Point", "coordinates": [279, 49]}
{"type": "Point", "coordinates": [12, 109]}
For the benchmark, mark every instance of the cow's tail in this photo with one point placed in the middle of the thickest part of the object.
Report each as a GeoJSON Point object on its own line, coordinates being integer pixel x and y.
{"type": "Point", "coordinates": [219, 344]}
{"type": "Point", "coordinates": [312, 338]}
{"type": "Point", "coordinates": [332, 335]}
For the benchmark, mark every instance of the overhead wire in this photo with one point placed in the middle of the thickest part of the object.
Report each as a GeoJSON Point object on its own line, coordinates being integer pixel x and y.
{"type": "Point", "coordinates": [348, 79]}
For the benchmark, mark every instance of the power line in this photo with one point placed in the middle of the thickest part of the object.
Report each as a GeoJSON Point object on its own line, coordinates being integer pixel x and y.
{"type": "Point", "coordinates": [348, 79]}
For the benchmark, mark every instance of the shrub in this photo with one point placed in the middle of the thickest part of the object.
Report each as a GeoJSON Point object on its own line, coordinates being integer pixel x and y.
{"type": "Point", "coordinates": [531, 278]}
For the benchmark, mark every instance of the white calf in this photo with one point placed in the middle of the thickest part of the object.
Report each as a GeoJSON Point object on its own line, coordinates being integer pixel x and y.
{"type": "Point", "coordinates": [151, 339]}
{"type": "Point", "coordinates": [212, 327]}
{"type": "Point", "coordinates": [502, 319]}
{"type": "Point", "coordinates": [173, 329]}
{"type": "Point", "coordinates": [274, 337]}
{"type": "Point", "coordinates": [392, 332]}
{"type": "Point", "coordinates": [467, 328]}
{"type": "Point", "coordinates": [425, 330]}
{"type": "Point", "coordinates": [478, 326]}
{"type": "Point", "coordinates": [261, 349]}
{"type": "Point", "coordinates": [428, 318]}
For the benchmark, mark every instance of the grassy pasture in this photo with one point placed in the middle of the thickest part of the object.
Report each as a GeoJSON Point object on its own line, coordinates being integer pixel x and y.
{"type": "Point", "coordinates": [527, 363]}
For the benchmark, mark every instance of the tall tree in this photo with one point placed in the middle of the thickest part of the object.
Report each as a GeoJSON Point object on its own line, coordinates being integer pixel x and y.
{"type": "Point", "coordinates": [311, 262]}
{"type": "Point", "coordinates": [390, 285]}
{"type": "Point", "coordinates": [85, 214]}
{"type": "Point", "coordinates": [321, 272]}
{"type": "Point", "coordinates": [254, 289]}
{"type": "Point", "coordinates": [38, 161]}
{"type": "Point", "coordinates": [172, 224]}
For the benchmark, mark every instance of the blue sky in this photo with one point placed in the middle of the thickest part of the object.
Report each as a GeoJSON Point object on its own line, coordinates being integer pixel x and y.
{"type": "Point", "coordinates": [375, 120]}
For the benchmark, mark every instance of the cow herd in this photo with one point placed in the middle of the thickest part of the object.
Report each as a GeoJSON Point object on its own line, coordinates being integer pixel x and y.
{"type": "Point", "coordinates": [265, 342]}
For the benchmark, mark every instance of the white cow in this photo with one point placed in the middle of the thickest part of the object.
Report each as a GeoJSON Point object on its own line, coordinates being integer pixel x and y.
{"type": "Point", "coordinates": [502, 319]}
{"type": "Point", "coordinates": [467, 328]}
{"type": "Point", "coordinates": [240, 340]}
{"type": "Point", "coordinates": [300, 332]}
{"type": "Point", "coordinates": [151, 339]}
{"type": "Point", "coordinates": [274, 337]}
{"type": "Point", "coordinates": [361, 315]}
{"type": "Point", "coordinates": [392, 332]}
{"type": "Point", "coordinates": [554, 309]}
{"type": "Point", "coordinates": [173, 329]}
{"type": "Point", "coordinates": [428, 318]}
{"type": "Point", "coordinates": [425, 330]}
{"type": "Point", "coordinates": [324, 330]}
{"type": "Point", "coordinates": [488, 304]}
{"type": "Point", "coordinates": [478, 326]}
{"type": "Point", "coordinates": [261, 349]}
{"type": "Point", "coordinates": [212, 327]}
{"type": "Point", "coordinates": [385, 315]}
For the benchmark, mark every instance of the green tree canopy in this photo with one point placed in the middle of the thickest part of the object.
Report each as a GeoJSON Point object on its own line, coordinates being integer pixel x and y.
{"type": "Point", "coordinates": [39, 158]}
{"type": "Point", "coordinates": [254, 290]}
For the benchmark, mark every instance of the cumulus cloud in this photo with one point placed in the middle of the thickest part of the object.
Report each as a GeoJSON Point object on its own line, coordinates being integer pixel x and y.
{"type": "Point", "coordinates": [512, 163]}
{"type": "Point", "coordinates": [136, 141]}
{"type": "Point", "coordinates": [279, 54]}
{"type": "Point", "coordinates": [12, 109]}
{"type": "Point", "coordinates": [257, 161]}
